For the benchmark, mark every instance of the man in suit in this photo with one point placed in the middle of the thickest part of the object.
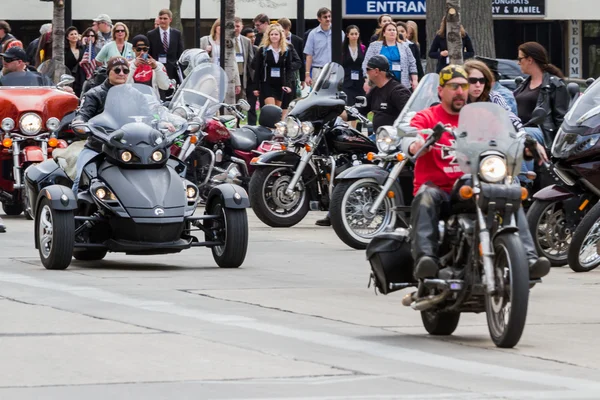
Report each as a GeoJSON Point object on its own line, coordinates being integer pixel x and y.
{"type": "Point", "coordinates": [166, 44]}
{"type": "Point", "coordinates": [244, 53]}
{"type": "Point", "coordinates": [261, 23]}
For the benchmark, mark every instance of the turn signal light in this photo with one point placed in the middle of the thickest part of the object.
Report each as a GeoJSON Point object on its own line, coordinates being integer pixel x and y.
{"type": "Point", "coordinates": [283, 147]}
{"type": "Point", "coordinates": [254, 160]}
{"type": "Point", "coordinates": [370, 156]}
{"type": "Point", "coordinates": [7, 142]}
{"type": "Point", "coordinates": [53, 142]}
{"type": "Point", "coordinates": [465, 192]}
{"type": "Point", "coordinates": [193, 139]}
{"type": "Point", "coordinates": [391, 194]}
{"type": "Point", "coordinates": [524, 194]}
{"type": "Point", "coordinates": [307, 147]}
{"type": "Point", "coordinates": [584, 204]}
{"type": "Point", "coordinates": [400, 157]}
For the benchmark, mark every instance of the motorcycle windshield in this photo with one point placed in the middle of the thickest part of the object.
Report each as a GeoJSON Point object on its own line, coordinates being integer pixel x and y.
{"type": "Point", "coordinates": [586, 110]}
{"type": "Point", "coordinates": [424, 96]}
{"type": "Point", "coordinates": [202, 90]}
{"type": "Point", "coordinates": [487, 127]}
{"type": "Point", "coordinates": [323, 102]}
{"type": "Point", "coordinates": [126, 104]}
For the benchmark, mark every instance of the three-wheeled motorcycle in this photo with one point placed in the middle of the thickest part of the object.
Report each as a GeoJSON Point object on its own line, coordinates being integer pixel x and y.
{"type": "Point", "coordinates": [133, 196]}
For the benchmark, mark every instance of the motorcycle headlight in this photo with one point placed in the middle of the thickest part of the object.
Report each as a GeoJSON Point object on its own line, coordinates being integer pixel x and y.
{"type": "Point", "coordinates": [30, 124]}
{"type": "Point", "coordinates": [157, 156]}
{"type": "Point", "coordinates": [52, 124]}
{"type": "Point", "coordinates": [103, 193]}
{"type": "Point", "coordinates": [307, 128]}
{"type": "Point", "coordinates": [8, 124]}
{"type": "Point", "coordinates": [292, 128]}
{"type": "Point", "coordinates": [126, 156]}
{"type": "Point", "coordinates": [387, 139]}
{"type": "Point", "coordinates": [492, 169]}
{"type": "Point", "coordinates": [281, 128]}
{"type": "Point", "coordinates": [191, 192]}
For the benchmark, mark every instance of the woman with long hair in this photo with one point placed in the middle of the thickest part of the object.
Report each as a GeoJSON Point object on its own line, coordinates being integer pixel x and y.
{"type": "Point", "coordinates": [119, 45]}
{"type": "Point", "coordinates": [274, 65]}
{"type": "Point", "coordinates": [73, 56]}
{"type": "Point", "coordinates": [212, 45]}
{"type": "Point", "coordinates": [403, 38]}
{"type": "Point", "coordinates": [353, 54]}
{"type": "Point", "coordinates": [544, 88]}
{"type": "Point", "coordinates": [403, 65]}
{"type": "Point", "coordinates": [439, 46]}
{"type": "Point", "coordinates": [381, 20]}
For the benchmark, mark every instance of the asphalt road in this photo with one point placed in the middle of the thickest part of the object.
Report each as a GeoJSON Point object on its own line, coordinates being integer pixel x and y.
{"type": "Point", "coordinates": [295, 322]}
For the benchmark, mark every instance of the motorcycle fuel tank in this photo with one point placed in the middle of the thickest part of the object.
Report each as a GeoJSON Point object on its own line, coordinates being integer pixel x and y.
{"type": "Point", "coordinates": [348, 140]}
{"type": "Point", "coordinates": [216, 131]}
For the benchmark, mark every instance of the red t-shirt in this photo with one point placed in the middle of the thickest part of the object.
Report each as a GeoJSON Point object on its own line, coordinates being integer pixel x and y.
{"type": "Point", "coordinates": [439, 165]}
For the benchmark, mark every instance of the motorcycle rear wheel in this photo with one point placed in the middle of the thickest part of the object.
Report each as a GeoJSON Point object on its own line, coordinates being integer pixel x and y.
{"type": "Point", "coordinates": [547, 221]}
{"type": "Point", "coordinates": [506, 310]}
{"type": "Point", "coordinates": [583, 253]}
{"type": "Point", "coordinates": [440, 323]}
{"type": "Point", "coordinates": [12, 209]}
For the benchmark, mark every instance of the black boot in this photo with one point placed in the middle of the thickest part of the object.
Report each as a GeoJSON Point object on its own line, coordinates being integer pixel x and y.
{"type": "Point", "coordinates": [324, 222]}
{"type": "Point", "coordinates": [2, 227]}
{"type": "Point", "coordinates": [538, 268]}
{"type": "Point", "coordinates": [427, 267]}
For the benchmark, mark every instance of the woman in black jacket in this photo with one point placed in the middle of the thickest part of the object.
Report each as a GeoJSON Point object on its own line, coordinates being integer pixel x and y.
{"type": "Point", "coordinates": [414, 48]}
{"type": "Point", "coordinates": [353, 55]}
{"type": "Point", "coordinates": [439, 47]}
{"type": "Point", "coordinates": [73, 56]}
{"type": "Point", "coordinates": [275, 63]}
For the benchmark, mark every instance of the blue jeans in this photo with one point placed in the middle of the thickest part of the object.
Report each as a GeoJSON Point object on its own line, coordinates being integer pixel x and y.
{"type": "Point", "coordinates": [537, 134]}
{"type": "Point", "coordinates": [84, 157]}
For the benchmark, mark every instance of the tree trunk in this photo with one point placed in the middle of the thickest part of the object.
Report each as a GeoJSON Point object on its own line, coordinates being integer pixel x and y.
{"type": "Point", "coordinates": [230, 64]}
{"type": "Point", "coordinates": [453, 37]}
{"type": "Point", "coordinates": [175, 7]}
{"type": "Point", "coordinates": [477, 20]}
{"type": "Point", "coordinates": [58, 39]}
{"type": "Point", "coordinates": [436, 9]}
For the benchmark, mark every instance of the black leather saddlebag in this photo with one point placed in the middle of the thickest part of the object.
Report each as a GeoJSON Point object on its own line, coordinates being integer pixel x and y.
{"type": "Point", "coordinates": [391, 260]}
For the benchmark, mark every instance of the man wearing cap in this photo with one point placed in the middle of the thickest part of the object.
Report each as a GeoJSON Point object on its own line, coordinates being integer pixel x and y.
{"type": "Point", "coordinates": [103, 26]}
{"type": "Point", "coordinates": [508, 96]}
{"type": "Point", "coordinates": [92, 104]}
{"type": "Point", "coordinates": [436, 171]}
{"type": "Point", "coordinates": [15, 64]}
{"type": "Point", "coordinates": [387, 97]}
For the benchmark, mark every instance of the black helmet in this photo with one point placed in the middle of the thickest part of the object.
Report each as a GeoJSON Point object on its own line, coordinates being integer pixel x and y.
{"type": "Point", "coordinates": [270, 114]}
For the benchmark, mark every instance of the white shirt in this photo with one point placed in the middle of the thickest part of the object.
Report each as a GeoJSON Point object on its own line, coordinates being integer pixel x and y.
{"type": "Point", "coordinates": [275, 53]}
{"type": "Point", "coordinates": [162, 34]}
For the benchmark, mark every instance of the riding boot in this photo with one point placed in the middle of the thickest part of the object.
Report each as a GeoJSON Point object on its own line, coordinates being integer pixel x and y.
{"type": "Point", "coordinates": [538, 266]}
{"type": "Point", "coordinates": [425, 216]}
{"type": "Point", "coordinates": [2, 227]}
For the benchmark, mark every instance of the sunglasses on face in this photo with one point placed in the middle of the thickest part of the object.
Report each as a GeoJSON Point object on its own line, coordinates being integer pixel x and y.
{"type": "Point", "coordinates": [144, 49]}
{"type": "Point", "coordinates": [118, 70]}
{"type": "Point", "coordinates": [473, 81]}
{"type": "Point", "coordinates": [455, 86]}
{"type": "Point", "coordinates": [93, 36]}
{"type": "Point", "coordinates": [8, 60]}
{"type": "Point", "coordinates": [120, 31]}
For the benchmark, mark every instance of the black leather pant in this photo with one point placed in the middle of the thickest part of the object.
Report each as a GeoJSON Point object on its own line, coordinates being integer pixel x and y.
{"type": "Point", "coordinates": [431, 205]}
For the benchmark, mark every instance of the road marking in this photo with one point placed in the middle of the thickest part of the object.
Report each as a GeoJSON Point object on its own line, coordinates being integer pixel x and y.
{"type": "Point", "coordinates": [339, 342]}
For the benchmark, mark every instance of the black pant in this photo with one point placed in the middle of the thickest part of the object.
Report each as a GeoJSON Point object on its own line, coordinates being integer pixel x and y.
{"type": "Point", "coordinates": [252, 100]}
{"type": "Point", "coordinates": [431, 205]}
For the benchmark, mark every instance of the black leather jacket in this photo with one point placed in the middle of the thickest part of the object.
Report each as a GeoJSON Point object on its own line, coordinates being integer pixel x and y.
{"type": "Point", "coordinates": [92, 104]}
{"type": "Point", "coordinates": [554, 98]}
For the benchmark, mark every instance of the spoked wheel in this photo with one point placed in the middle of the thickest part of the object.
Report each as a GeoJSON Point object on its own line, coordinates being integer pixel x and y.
{"type": "Point", "coordinates": [584, 255]}
{"type": "Point", "coordinates": [506, 309]}
{"type": "Point", "coordinates": [350, 216]}
{"type": "Point", "coordinates": [55, 235]}
{"type": "Point", "coordinates": [231, 228]}
{"type": "Point", "coordinates": [270, 202]}
{"type": "Point", "coordinates": [550, 231]}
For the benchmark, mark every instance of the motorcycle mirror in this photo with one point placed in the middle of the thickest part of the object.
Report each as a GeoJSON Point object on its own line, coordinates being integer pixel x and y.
{"type": "Point", "coordinates": [80, 128]}
{"type": "Point", "coordinates": [573, 89]}
{"type": "Point", "coordinates": [193, 126]}
{"type": "Point", "coordinates": [537, 116]}
{"type": "Point", "coordinates": [519, 80]}
{"type": "Point", "coordinates": [65, 79]}
{"type": "Point", "coordinates": [244, 105]}
{"type": "Point", "coordinates": [360, 101]}
{"type": "Point", "coordinates": [589, 81]}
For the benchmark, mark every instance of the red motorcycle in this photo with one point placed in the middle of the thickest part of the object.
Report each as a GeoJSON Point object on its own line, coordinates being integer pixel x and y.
{"type": "Point", "coordinates": [32, 114]}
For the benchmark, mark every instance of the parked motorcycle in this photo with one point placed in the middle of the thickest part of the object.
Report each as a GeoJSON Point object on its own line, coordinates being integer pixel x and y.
{"type": "Point", "coordinates": [561, 208]}
{"type": "Point", "coordinates": [483, 263]}
{"type": "Point", "coordinates": [368, 199]}
{"type": "Point", "coordinates": [31, 111]}
{"type": "Point", "coordinates": [132, 197]}
{"type": "Point", "coordinates": [286, 184]}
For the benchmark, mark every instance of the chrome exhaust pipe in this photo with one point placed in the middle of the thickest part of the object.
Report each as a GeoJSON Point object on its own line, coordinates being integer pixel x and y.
{"type": "Point", "coordinates": [425, 303]}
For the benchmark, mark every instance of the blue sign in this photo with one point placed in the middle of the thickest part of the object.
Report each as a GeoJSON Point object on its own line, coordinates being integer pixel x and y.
{"type": "Point", "coordinates": [377, 7]}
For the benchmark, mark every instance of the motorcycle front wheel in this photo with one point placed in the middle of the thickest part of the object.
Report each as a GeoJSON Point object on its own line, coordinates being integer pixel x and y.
{"type": "Point", "coordinates": [269, 201]}
{"type": "Point", "coordinates": [506, 309]}
{"type": "Point", "coordinates": [350, 216]}
{"type": "Point", "coordinates": [584, 254]}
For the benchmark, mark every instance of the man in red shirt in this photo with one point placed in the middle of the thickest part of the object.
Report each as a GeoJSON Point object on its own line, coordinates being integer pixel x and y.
{"type": "Point", "coordinates": [436, 171]}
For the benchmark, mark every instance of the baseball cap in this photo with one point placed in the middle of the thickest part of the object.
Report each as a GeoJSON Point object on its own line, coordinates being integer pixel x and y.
{"type": "Point", "coordinates": [452, 71]}
{"type": "Point", "coordinates": [380, 62]}
{"type": "Point", "coordinates": [14, 53]}
{"type": "Point", "coordinates": [103, 18]}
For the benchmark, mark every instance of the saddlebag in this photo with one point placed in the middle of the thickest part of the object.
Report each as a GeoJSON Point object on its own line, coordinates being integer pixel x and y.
{"type": "Point", "coordinates": [391, 260]}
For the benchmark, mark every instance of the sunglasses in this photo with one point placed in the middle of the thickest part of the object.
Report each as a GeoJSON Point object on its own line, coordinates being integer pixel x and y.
{"type": "Point", "coordinates": [144, 49]}
{"type": "Point", "coordinates": [370, 69]}
{"type": "Point", "coordinates": [120, 31]}
{"type": "Point", "coordinates": [520, 58]}
{"type": "Point", "coordinates": [118, 70]}
{"type": "Point", "coordinates": [473, 81]}
{"type": "Point", "coordinates": [8, 60]}
{"type": "Point", "coordinates": [91, 36]}
{"type": "Point", "coordinates": [455, 86]}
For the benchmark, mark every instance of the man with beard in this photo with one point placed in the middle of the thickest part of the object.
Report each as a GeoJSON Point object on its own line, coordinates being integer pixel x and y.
{"type": "Point", "coordinates": [436, 171]}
